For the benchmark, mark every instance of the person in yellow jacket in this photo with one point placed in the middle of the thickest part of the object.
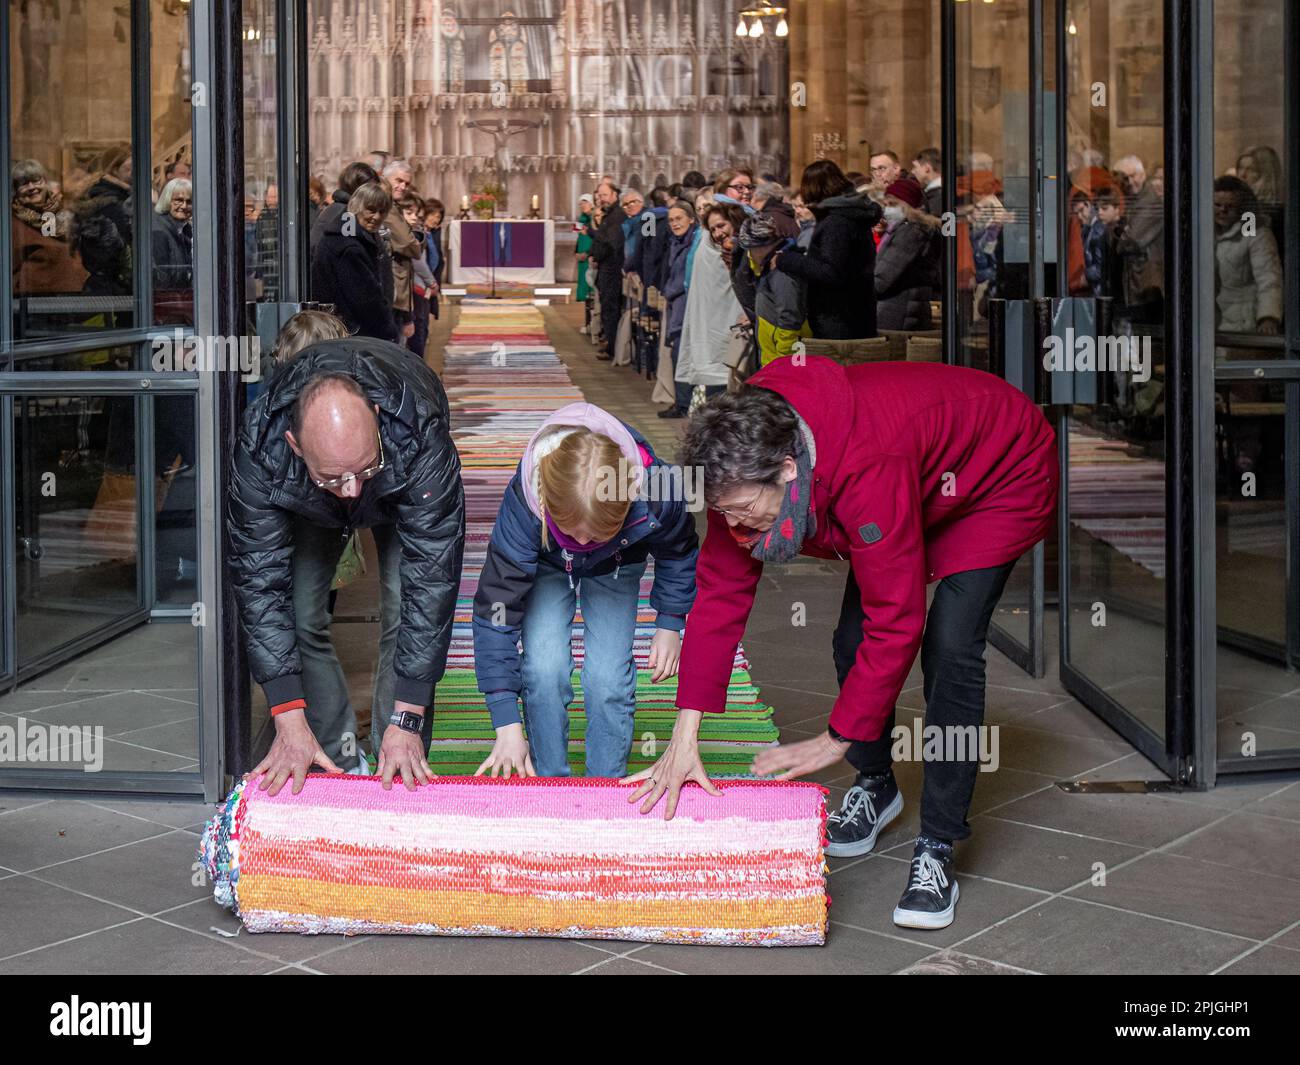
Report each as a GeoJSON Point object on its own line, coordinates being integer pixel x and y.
{"type": "Point", "coordinates": [780, 300]}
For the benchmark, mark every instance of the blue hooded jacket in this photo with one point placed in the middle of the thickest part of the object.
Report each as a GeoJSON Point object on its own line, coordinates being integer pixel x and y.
{"type": "Point", "coordinates": [659, 523]}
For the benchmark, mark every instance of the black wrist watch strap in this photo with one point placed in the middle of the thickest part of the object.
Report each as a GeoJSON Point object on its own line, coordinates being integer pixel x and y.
{"type": "Point", "coordinates": [407, 721]}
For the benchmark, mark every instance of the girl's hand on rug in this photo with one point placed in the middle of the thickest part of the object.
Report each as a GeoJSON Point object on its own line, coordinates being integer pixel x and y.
{"type": "Point", "coordinates": [665, 654]}
{"type": "Point", "coordinates": [678, 764]}
{"type": "Point", "coordinates": [509, 754]}
{"type": "Point", "coordinates": [799, 759]}
{"type": "Point", "coordinates": [292, 754]}
{"type": "Point", "coordinates": [402, 752]}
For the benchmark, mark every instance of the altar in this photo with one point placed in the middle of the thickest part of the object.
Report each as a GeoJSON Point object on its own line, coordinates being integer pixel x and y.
{"type": "Point", "coordinates": [517, 250]}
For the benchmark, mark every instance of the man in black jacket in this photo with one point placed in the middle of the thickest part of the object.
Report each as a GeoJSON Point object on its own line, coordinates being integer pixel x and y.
{"type": "Point", "coordinates": [354, 433]}
{"type": "Point", "coordinates": [607, 250]}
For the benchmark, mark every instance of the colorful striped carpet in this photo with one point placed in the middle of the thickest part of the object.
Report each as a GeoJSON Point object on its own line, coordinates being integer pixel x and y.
{"type": "Point", "coordinates": [503, 378]}
{"type": "Point", "coordinates": [535, 857]}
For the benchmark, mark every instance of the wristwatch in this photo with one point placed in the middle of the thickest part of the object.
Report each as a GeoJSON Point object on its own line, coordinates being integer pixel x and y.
{"type": "Point", "coordinates": [407, 721]}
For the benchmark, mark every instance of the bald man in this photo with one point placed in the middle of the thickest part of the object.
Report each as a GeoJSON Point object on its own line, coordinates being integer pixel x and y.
{"type": "Point", "coordinates": [353, 434]}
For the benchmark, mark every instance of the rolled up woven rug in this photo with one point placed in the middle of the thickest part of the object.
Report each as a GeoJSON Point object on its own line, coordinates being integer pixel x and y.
{"type": "Point", "coordinates": [561, 857]}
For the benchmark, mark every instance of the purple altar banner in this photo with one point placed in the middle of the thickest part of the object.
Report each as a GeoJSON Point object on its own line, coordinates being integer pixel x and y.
{"type": "Point", "coordinates": [517, 244]}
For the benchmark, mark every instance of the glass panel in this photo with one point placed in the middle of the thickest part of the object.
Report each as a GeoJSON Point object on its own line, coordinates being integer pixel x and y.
{"type": "Point", "coordinates": [77, 544]}
{"type": "Point", "coordinates": [993, 158]}
{"type": "Point", "coordinates": [172, 217]}
{"type": "Point", "coordinates": [1258, 708]}
{"type": "Point", "coordinates": [175, 473]}
{"type": "Point", "coordinates": [72, 165]}
{"type": "Point", "coordinates": [993, 97]}
{"type": "Point", "coordinates": [1250, 185]}
{"type": "Point", "coordinates": [129, 701]}
{"type": "Point", "coordinates": [1116, 464]}
{"type": "Point", "coordinates": [261, 161]}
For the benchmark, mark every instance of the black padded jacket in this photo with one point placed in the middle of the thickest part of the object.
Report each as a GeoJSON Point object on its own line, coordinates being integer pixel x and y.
{"type": "Point", "coordinates": [419, 491]}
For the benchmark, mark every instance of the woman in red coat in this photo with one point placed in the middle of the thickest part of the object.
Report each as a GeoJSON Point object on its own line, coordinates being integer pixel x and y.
{"type": "Point", "coordinates": [914, 473]}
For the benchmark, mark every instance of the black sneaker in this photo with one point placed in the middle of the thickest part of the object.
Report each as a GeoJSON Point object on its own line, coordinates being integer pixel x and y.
{"type": "Point", "coordinates": [671, 412]}
{"type": "Point", "coordinates": [931, 896]}
{"type": "Point", "coordinates": [869, 806]}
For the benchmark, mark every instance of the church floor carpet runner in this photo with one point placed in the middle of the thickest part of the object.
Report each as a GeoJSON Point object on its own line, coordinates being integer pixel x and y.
{"type": "Point", "coordinates": [537, 857]}
{"type": "Point", "coordinates": [503, 379]}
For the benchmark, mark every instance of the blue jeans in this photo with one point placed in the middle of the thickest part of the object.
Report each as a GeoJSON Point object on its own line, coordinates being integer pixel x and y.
{"type": "Point", "coordinates": [608, 674]}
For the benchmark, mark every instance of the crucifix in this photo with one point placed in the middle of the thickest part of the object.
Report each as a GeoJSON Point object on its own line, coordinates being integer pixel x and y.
{"type": "Point", "coordinates": [501, 131]}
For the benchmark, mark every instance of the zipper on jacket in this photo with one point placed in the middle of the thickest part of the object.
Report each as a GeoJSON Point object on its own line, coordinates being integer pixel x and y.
{"type": "Point", "coordinates": [568, 565]}
{"type": "Point", "coordinates": [618, 562]}
{"type": "Point", "coordinates": [813, 507]}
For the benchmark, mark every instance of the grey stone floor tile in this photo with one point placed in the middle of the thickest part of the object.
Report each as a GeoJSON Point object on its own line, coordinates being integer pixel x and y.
{"type": "Point", "coordinates": [1184, 889]}
{"type": "Point", "coordinates": [627, 967]}
{"type": "Point", "coordinates": [1063, 756]}
{"type": "Point", "coordinates": [464, 956]}
{"type": "Point", "coordinates": [954, 963]}
{"type": "Point", "coordinates": [1030, 857]}
{"type": "Point", "coordinates": [180, 738]}
{"type": "Point", "coordinates": [35, 914]}
{"type": "Point", "coordinates": [179, 813]}
{"type": "Point", "coordinates": [865, 895]}
{"type": "Point", "coordinates": [152, 875]}
{"type": "Point", "coordinates": [60, 830]}
{"type": "Point", "coordinates": [1283, 803]}
{"type": "Point", "coordinates": [1247, 841]}
{"type": "Point", "coordinates": [1142, 820]}
{"type": "Point", "coordinates": [847, 951]}
{"type": "Point", "coordinates": [1266, 961]}
{"type": "Point", "coordinates": [117, 713]}
{"type": "Point", "coordinates": [1290, 940]}
{"type": "Point", "coordinates": [206, 917]}
{"type": "Point", "coordinates": [145, 946]}
{"type": "Point", "coordinates": [1067, 936]}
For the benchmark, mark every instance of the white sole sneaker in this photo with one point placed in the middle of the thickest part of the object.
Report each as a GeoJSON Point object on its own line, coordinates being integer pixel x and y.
{"type": "Point", "coordinates": [867, 843]}
{"type": "Point", "coordinates": [918, 919]}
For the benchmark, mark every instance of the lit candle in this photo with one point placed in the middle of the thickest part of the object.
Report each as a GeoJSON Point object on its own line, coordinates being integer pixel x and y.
{"type": "Point", "coordinates": [464, 202]}
{"type": "Point", "coordinates": [536, 202]}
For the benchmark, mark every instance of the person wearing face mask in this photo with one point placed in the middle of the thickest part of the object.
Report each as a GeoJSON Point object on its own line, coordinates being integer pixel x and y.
{"type": "Point", "coordinates": [576, 525]}
{"type": "Point", "coordinates": [907, 260]}
{"type": "Point", "coordinates": [347, 269]}
{"type": "Point", "coordinates": [916, 474]}
{"type": "Point", "coordinates": [351, 434]}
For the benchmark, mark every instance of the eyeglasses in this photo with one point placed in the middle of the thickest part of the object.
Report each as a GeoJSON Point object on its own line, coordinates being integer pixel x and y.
{"type": "Point", "coordinates": [364, 475]}
{"type": "Point", "coordinates": [741, 515]}
{"type": "Point", "coordinates": [741, 186]}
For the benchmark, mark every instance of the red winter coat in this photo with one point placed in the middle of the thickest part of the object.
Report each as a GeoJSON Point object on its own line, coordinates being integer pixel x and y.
{"type": "Point", "coordinates": [887, 436]}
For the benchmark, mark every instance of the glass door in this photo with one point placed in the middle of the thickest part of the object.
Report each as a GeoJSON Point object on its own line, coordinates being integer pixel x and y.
{"type": "Point", "coordinates": [1114, 559]}
{"type": "Point", "coordinates": [1000, 73]}
{"type": "Point", "coordinates": [1255, 434]}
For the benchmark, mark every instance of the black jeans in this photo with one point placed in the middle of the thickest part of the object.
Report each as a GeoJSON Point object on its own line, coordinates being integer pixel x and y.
{"type": "Point", "coordinates": [952, 666]}
{"type": "Point", "coordinates": [609, 287]}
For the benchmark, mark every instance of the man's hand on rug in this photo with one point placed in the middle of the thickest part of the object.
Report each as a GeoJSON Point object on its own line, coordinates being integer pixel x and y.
{"type": "Point", "coordinates": [665, 654]}
{"type": "Point", "coordinates": [678, 764]}
{"type": "Point", "coordinates": [509, 754]}
{"type": "Point", "coordinates": [800, 759]}
{"type": "Point", "coordinates": [403, 753]}
{"type": "Point", "coordinates": [293, 752]}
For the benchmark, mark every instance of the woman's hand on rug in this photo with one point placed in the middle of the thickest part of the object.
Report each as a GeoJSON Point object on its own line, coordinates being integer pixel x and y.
{"type": "Point", "coordinates": [509, 754]}
{"type": "Point", "coordinates": [678, 764]}
{"type": "Point", "coordinates": [665, 654]}
{"type": "Point", "coordinates": [293, 752]}
{"type": "Point", "coordinates": [800, 759]}
{"type": "Point", "coordinates": [403, 753]}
